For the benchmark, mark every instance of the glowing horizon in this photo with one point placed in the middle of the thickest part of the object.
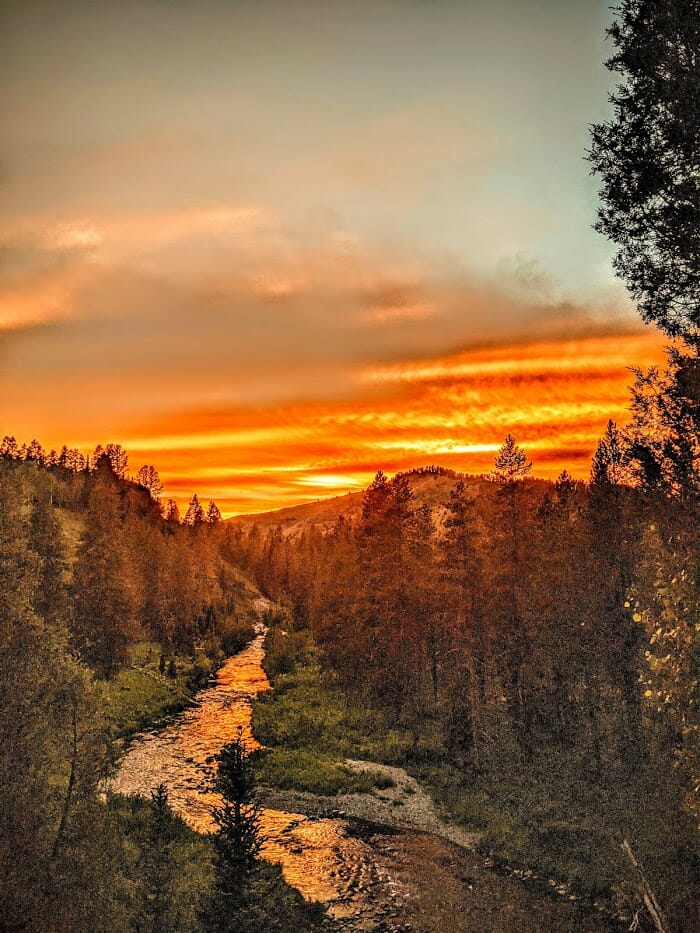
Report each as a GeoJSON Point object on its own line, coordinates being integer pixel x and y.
{"type": "Point", "coordinates": [454, 414]}
{"type": "Point", "coordinates": [271, 248]}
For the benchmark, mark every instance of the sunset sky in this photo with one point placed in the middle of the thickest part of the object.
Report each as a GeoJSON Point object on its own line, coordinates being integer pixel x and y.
{"type": "Point", "coordinates": [270, 247]}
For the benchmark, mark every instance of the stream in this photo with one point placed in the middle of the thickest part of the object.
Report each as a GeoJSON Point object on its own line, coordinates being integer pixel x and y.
{"type": "Point", "coordinates": [391, 866]}
{"type": "Point", "coordinates": [317, 856]}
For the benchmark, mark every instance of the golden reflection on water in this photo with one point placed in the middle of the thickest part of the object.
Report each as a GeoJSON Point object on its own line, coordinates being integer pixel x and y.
{"type": "Point", "coordinates": [316, 856]}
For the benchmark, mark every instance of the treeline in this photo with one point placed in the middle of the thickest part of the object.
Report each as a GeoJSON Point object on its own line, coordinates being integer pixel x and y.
{"type": "Point", "coordinates": [89, 567]}
{"type": "Point", "coordinates": [542, 640]}
{"type": "Point", "coordinates": [75, 461]}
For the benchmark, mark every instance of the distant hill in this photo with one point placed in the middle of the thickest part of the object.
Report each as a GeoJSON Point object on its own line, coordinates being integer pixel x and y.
{"type": "Point", "coordinates": [431, 486]}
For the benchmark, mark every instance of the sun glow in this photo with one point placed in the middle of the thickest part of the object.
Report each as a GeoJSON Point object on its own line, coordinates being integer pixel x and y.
{"type": "Point", "coordinates": [556, 397]}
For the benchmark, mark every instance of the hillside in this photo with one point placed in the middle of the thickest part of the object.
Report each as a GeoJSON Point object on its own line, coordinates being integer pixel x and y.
{"type": "Point", "coordinates": [429, 487]}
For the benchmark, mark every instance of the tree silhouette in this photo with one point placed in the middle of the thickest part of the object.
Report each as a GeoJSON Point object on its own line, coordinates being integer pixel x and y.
{"type": "Point", "coordinates": [237, 841]}
{"type": "Point", "coordinates": [511, 463]}
{"type": "Point", "coordinates": [609, 466]}
{"type": "Point", "coordinates": [213, 513]}
{"type": "Point", "coordinates": [119, 459]}
{"type": "Point", "coordinates": [648, 157]}
{"type": "Point", "coordinates": [195, 513]}
{"type": "Point", "coordinates": [147, 476]}
{"type": "Point", "coordinates": [172, 512]}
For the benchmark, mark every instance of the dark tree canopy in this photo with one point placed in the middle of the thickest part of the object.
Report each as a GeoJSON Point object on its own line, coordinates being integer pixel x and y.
{"type": "Point", "coordinates": [648, 158]}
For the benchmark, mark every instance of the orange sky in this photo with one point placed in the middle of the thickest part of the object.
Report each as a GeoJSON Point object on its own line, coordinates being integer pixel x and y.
{"type": "Point", "coordinates": [555, 397]}
{"type": "Point", "coordinates": [453, 410]}
{"type": "Point", "coordinates": [270, 250]}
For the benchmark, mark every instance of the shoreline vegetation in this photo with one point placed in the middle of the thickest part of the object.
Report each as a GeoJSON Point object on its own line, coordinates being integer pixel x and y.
{"type": "Point", "coordinates": [311, 730]}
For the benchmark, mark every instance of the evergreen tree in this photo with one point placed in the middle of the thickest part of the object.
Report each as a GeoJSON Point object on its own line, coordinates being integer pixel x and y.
{"type": "Point", "coordinates": [609, 465]}
{"type": "Point", "coordinates": [237, 841]}
{"type": "Point", "coordinates": [8, 448]}
{"type": "Point", "coordinates": [195, 513]}
{"type": "Point", "coordinates": [511, 463]}
{"type": "Point", "coordinates": [665, 432]}
{"type": "Point", "coordinates": [213, 513]}
{"type": "Point", "coordinates": [463, 585]}
{"type": "Point", "coordinates": [50, 598]}
{"type": "Point", "coordinates": [102, 585]}
{"type": "Point", "coordinates": [155, 867]}
{"type": "Point", "coordinates": [510, 574]}
{"type": "Point", "coordinates": [648, 157]}
{"type": "Point", "coordinates": [172, 512]}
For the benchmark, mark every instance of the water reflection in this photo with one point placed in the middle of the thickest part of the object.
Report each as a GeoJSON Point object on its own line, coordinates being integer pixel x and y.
{"type": "Point", "coordinates": [316, 855]}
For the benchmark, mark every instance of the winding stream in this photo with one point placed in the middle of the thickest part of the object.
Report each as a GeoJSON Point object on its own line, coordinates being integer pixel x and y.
{"type": "Point", "coordinates": [421, 876]}
{"type": "Point", "coordinates": [317, 856]}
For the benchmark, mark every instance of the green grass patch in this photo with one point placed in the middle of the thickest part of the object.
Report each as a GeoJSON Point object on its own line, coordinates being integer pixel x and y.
{"type": "Point", "coordinates": [140, 695]}
{"type": "Point", "coordinates": [305, 710]}
{"type": "Point", "coordinates": [309, 726]}
{"type": "Point", "coordinates": [316, 773]}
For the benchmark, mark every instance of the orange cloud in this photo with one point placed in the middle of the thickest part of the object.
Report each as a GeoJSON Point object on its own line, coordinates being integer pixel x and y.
{"type": "Point", "coordinates": [555, 397]}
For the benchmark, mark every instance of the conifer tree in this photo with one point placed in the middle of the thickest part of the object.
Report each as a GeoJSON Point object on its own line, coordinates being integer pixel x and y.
{"type": "Point", "coordinates": [648, 159]}
{"type": "Point", "coordinates": [511, 463]}
{"type": "Point", "coordinates": [172, 512]}
{"type": "Point", "coordinates": [8, 448]}
{"type": "Point", "coordinates": [104, 608]}
{"type": "Point", "coordinates": [237, 841]}
{"type": "Point", "coordinates": [195, 513]}
{"type": "Point", "coordinates": [609, 467]}
{"type": "Point", "coordinates": [213, 513]}
{"type": "Point", "coordinates": [156, 867]}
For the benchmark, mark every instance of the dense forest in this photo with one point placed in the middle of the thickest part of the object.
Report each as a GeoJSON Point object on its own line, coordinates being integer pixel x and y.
{"type": "Point", "coordinates": [113, 614]}
{"type": "Point", "coordinates": [538, 640]}
{"type": "Point", "coordinates": [537, 643]}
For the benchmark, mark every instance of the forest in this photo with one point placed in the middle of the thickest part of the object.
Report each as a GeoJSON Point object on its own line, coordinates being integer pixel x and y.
{"type": "Point", "coordinates": [537, 640]}
{"type": "Point", "coordinates": [114, 613]}
{"type": "Point", "coordinates": [530, 648]}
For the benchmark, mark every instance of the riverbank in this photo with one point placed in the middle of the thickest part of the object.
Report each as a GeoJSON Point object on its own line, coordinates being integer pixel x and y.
{"type": "Point", "coordinates": [306, 718]}
{"type": "Point", "coordinates": [399, 802]}
{"type": "Point", "coordinates": [152, 688]}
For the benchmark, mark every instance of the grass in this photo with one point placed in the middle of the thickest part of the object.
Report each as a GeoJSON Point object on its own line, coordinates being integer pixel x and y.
{"type": "Point", "coordinates": [310, 726]}
{"type": "Point", "coordinates": [314, 772]}
{"type": "Point", "coordinates": [139, 696]}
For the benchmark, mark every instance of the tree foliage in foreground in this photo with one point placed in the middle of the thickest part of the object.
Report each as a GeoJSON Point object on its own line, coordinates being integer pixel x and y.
{"type": "Point", "coordinates": [648, 159]}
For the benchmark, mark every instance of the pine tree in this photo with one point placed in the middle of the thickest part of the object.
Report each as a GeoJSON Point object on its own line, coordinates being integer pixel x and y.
{"type": "Point", "coordinates": [511, 463]}
{"type": "Point", "coordinates": [609, 466]}
{"type": "Point", "coordinates": [104, 607]}
{"type": "Point", "coordinates": [8, 448]}
{"type": "Point", "coordinates": [172, 512]}
{"type": "Point", "coordinates": [237, 841]}
{"type": "Point", "coordinates": [195, 513]}
{"type": "Point", "coordinates": [155, 867]}
{"type": "Point", "coordinates": [213, 513]}
{"type": "Point", "coordinates": [648, 158]}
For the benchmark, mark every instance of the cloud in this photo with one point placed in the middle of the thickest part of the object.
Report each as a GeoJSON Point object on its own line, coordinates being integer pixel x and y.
{"type": "Point", "coordinates": [218, 342]}
{"type": "Point", "coordinates": [224, 304]}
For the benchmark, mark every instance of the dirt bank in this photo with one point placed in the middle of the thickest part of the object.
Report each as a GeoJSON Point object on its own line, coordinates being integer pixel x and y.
{"type": "Point", "coordinates": [403, 805]}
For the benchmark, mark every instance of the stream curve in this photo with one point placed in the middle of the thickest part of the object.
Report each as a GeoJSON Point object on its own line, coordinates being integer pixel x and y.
{"type": "Point", "coordinates": [317, 855]}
